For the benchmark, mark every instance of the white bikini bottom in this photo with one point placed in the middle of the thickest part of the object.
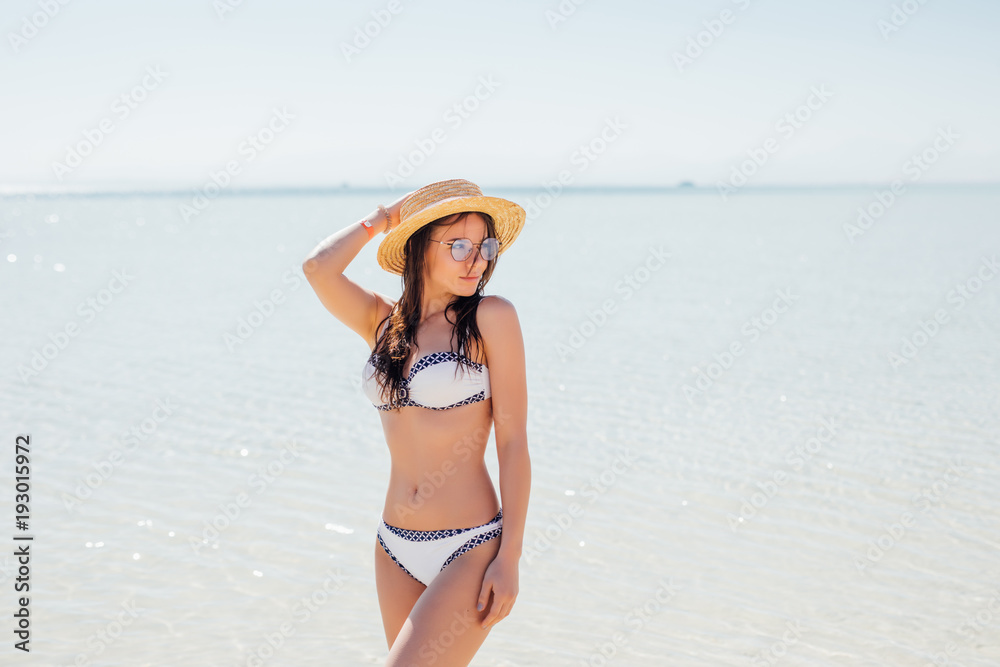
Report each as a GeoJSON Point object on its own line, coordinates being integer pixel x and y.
{"type": "Point", "coordinates": [423, 554]}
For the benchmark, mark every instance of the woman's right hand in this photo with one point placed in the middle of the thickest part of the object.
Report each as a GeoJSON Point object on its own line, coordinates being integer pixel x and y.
{"type": "Point", "coordinates": [393, 210]}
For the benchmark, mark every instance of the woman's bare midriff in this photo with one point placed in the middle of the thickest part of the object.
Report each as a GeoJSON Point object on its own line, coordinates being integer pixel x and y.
{"type": "Point", "coordinates": [438, 478]}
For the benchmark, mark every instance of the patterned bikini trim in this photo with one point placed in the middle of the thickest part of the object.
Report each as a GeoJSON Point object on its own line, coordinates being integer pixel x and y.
{"type": "Point", "coordinates": [475, 398]}
{"type": "Point", "coordinates": [425, 535]}
{"type": "Point", "coordinates": [437, 358]}
{"type": "Point", "coordinates": [424, 362]}
{"type": "Point", "coordinates": [395, 560]}
{"type": "Point", "coordinates": [474, 542]}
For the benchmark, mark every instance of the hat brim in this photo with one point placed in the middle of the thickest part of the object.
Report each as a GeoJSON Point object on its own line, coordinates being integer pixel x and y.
{"type": "Point", "coordinates": [508, 218]}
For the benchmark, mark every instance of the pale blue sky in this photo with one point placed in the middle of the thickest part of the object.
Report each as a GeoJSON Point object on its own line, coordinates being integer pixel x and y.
{"type": "Point", "coordinates": [557, 88]}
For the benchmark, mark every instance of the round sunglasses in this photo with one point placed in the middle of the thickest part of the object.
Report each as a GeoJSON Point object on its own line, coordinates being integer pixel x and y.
{"type": "Point", "coordinates": [461, 249]}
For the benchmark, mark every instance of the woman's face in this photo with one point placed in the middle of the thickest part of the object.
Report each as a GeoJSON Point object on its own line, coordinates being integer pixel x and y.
{"type": "Point", "coordinates": [442, 271]}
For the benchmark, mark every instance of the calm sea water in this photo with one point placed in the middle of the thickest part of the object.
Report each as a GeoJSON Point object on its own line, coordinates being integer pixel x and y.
{"type": "Point", "coordinates": [756, 438]}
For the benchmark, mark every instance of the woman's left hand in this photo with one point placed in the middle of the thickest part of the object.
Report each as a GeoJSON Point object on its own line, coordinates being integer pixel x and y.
{"type": "Point", "coordinates": [501, 578]}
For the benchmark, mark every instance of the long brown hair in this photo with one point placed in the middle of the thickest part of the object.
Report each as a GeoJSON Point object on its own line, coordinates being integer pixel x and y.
{"type": "Point", "coordinates": [392, 348]}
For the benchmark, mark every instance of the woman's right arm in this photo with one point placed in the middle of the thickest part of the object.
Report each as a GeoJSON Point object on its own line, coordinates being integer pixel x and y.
{"type": "Point", "coordinates": [349, 302]}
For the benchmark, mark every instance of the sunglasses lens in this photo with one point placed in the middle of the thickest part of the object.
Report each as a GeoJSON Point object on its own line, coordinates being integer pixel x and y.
{"type": "Point", "coordinates": [490, 248]}
{"type": "Point", "coordinates": [461, 249]}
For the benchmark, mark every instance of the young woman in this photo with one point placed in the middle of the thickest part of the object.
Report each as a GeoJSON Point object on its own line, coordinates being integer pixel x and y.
{"type": "Point", "coordinates": [447, 364]}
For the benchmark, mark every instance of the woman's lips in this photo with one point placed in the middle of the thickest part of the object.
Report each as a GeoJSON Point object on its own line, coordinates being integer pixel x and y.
{"type": "Point", "coordinates": [467, 278]}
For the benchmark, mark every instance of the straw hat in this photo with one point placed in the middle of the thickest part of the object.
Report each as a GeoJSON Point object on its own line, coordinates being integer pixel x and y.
{"type": "Point", "coordinates": [441, 199]}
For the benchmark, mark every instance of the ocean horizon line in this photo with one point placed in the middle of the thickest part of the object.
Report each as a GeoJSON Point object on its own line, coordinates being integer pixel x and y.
{"type": "Point", "coordinates": [18, 190]}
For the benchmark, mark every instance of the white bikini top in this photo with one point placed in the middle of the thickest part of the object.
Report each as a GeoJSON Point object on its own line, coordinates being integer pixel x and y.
{"type": "Point", "coordinates": [432, 383]}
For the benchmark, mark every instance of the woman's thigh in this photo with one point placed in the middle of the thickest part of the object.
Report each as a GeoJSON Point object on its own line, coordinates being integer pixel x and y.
{"type": "Point", "coordinates": [397, 592]}
{"type": "Point", "coordinates": [444, 628]}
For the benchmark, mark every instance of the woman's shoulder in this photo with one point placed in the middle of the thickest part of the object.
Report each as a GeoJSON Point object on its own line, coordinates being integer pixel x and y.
{"type": "Point", "coordinates": [501, 331]}
{"type": "Point", "coordinates": [495, 302]}
{"type": "Point", "coordinates": [495, 314]}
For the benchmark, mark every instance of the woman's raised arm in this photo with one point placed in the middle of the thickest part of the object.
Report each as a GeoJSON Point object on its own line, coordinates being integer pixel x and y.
{"type": "Point", "coordinates": [352, 304]}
